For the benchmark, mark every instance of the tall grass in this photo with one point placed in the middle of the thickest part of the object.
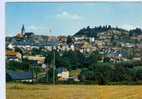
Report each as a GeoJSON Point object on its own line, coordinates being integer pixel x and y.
{"type": "Point", "coordinates": [38, 91]}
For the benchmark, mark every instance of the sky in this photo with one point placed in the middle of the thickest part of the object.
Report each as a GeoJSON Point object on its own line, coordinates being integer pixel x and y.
{"type": "Point", "coordinates": [69, 18]}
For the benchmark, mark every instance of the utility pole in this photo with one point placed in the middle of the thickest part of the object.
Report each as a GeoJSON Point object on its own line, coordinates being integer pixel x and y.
{"type": "Point", "coordinates": [54, 68]}
{"type": "Point", "coordinates": [32, 72]}
{"type": "Point", "coordinates": [36, 67]}
{"type": "Point", "coordinates": [53, 64]}
{"type": "Point", "coordinates": [46, 68]}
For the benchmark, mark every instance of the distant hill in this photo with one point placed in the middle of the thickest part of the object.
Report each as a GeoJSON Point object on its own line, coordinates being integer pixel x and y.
{"type": "Point", "coordinates": [93, 32]}
{"type": "Point", "coordinates": [135, 32]}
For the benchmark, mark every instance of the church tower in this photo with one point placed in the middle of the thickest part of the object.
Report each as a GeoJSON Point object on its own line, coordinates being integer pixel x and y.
{"type": "Point", "coordinates": [22, 30]}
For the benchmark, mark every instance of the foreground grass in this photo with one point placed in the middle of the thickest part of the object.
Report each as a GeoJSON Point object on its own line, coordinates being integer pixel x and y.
{"type": "Point", "coordinates": [23, 91]}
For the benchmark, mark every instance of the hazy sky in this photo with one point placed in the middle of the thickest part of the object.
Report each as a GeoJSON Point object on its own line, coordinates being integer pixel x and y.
{"type": "Point", "coordinates": [68, 18]}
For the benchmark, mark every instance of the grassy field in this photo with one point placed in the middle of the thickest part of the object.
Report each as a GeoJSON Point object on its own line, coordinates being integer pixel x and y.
{"type": "Point", "coordinates": [23, 91]}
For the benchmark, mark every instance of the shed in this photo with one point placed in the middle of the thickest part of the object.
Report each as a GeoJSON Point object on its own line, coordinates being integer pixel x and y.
{"type": "Point", "coordinates": [15, 75]}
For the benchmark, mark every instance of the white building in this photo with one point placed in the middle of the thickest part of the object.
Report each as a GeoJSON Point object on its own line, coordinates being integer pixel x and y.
{"type": "Point", "coordinates": [64, 75]}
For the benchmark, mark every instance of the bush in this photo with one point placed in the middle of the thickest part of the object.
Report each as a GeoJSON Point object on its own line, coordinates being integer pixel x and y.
{"type": "Point", "coordinates": [138, 72]}
{"type": "Point", "coordinates": [103, 73]}
{"type": "Point", "coordinates": [14, 65]}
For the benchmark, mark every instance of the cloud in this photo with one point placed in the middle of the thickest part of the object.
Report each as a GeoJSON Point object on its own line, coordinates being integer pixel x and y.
{"type": "Point", "coordinates": [36, 28]}
{"type": "Point", "coordinates": [67, 15]}
{"type": "Point", "coordinates": [32, 27]}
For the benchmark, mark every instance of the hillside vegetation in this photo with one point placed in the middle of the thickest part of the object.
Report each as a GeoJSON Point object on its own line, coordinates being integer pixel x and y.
{"type": "Point", "coordinates": [93, 32]}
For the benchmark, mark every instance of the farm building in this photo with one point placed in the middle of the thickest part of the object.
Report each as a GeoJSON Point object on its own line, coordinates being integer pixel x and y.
{"type": "Point", "coordinates": [14, 75]}
{"type": "Point", "coordinates": [63, 73]}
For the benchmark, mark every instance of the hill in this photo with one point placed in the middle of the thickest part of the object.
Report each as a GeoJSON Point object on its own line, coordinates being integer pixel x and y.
{"type": "Point", "coordinates": [93, 32]}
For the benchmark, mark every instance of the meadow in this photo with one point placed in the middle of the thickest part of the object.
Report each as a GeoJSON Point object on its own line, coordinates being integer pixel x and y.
{"type": "Point", "coordinates": [38, 91]}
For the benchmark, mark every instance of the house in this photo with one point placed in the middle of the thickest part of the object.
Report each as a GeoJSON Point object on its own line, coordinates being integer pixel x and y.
{"type": "Point", "coordinates": [139, 37]}
{"type": "Point", "coordinates": [28, 34]}
{"type": "Point", "coordinates": [38, 58]}
{"type": "Point", "coordinates": [19, 36]}
{"type": "Point", "coordinates": [86, 47]}
{"type": "Point", "coordinates": [52, 38]}
{"type": "Point", "coordinates": [62, 39]}
{"type": "Point", "coordinates": [15, 75]}
{"type": "Point", "coordinates": [63, 73]}
{"type": "Point", "coordinates": [99, 43]}
{"type": "Point", "coordinates": [91, 39]}
{"type": "Point", "coordinates": [137, 59]}
{"type": "Point", "coordinates": [77, 38]}
{"type": "Point", "coordinates": [12, 55]}
{"type": "Point", "coordinates": [50, 45]}
{"type": "Point", "coordinates": [10, 46]}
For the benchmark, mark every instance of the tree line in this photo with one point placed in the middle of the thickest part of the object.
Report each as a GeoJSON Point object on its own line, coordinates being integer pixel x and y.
{"type": "Point", "coordinates": [93, 67]}
{"type": "Point", "coordinates": [92, 32]}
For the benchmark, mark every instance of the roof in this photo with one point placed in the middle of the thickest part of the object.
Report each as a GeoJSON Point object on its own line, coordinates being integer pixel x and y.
{"type": "Point", "coordinates": [19, 75]}
{"type": "Point", "coordinates": [29, 33]}
{"type": "Point", "coordinates": [61, 69]}
{"type": "Point", "coordinates": [11, 53]}
{"type": "Point", "coordinates": [53, 43]}
{"type": "Point", "coordinates": [36, 58]}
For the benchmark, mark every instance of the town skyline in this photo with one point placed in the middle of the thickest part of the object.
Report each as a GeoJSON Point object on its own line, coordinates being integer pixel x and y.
{"type": "Point", "coordinates": [68, 18]}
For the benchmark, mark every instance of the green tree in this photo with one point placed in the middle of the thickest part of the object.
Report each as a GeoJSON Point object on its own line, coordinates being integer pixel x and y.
{"type": "Point", "coordinates": [103, 73]}
{"type": "Point", "coordinates": [17, 49]}
{"type": "Point", "coordinates": [14, 65]}
{"type": "Point", "coordinates": [69, 40]}
{"type": "Point", "coordinates": [86, 74]}
{"type": "Point", "coordinates": [138, 72]}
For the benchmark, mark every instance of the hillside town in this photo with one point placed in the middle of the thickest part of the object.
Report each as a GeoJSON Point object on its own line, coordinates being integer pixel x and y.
{"type": "Point", "coordinates": [113, 45]}
{"type": "Point", "coordinates": [71, 49]}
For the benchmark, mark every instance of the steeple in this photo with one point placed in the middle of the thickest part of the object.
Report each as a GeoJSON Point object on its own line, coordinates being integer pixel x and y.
{"type": "Point", "coordinates": [22, 30]}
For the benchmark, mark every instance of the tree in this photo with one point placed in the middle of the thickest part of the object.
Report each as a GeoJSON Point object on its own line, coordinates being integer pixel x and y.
{"type": "Point", "coordinates": [86, 74]}
{"type": "Point", "coordinates": [17, 49]}
{"type": "Point", "coordinates": [120, 73]}
{"type": "Point", "coordinates": [14, 65]}
{"type": "Point", "coordinates": [103, 73]}
{"type": "Point", "coordinates": [8, 77]}
{"type": "Point", "coordinates": [135, 32]}
{"type": "Point", "coordinates": [93, 32]}
{"type": "Point", "coordinates": [48, 57]}
{"type": "Point", "coordinates": [109, 26]}
{"type": "Point", "coordinates": [69, 40]}
{"type": "Point", "coordinates": [106, 59]}
{"type": "Point", "coordinates": [93, 58]}
{"type": "Point", "coordinates": [35, 51]}
{"type": "Point", "coordinates": [138, 72]}
{"type": "Point", "coordinates": [50, 75]}
{"type": "Point", "coordinates": [61, 61]}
